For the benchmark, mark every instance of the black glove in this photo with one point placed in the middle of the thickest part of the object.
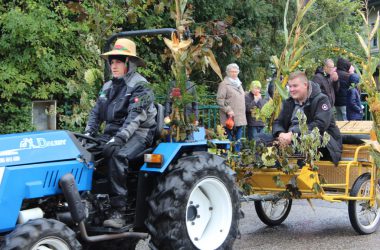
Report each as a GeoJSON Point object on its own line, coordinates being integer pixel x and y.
{"type": "Point", "coordinates": [112, 145]}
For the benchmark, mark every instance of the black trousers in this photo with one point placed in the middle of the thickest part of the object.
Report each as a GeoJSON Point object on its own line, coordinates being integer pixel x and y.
{"type": "Point", "coordinates": [117, 163]}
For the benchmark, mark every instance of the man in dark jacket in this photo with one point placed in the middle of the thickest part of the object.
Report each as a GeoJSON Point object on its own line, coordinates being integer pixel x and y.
{"type": "Point", "coordinates": [191, 109]}
{"type": "Point", "coordinates": [307, 97]}
{"type": "Point", "coordinates": [126, 106]}
{"type": "Point", "coordinates": [323, 78]}
{"type": "Point", "coordinates": [343, 67]}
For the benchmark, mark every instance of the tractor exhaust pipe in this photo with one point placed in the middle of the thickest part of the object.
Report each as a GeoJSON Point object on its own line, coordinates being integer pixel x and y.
{"type": "Point", "coordinates": [70, 191]}
{"type": "Point", "coordinates": [76, 207]}
{"type": "Point", "coordinates": [103, 237]}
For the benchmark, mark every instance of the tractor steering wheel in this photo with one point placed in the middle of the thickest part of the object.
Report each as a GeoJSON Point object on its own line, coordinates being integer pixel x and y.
{"type": "Point", "coordinates": [88, 142]}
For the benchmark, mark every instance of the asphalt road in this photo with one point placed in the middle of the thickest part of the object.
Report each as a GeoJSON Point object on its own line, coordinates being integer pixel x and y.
{"type": "Point", "coordinates": [327, 226]}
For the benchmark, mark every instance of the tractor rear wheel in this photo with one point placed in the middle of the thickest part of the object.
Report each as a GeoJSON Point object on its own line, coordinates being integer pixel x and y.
{"type": "Point", "coordinates": [41, 234]}
{"type": "Point", "coordinates": [195, 205]}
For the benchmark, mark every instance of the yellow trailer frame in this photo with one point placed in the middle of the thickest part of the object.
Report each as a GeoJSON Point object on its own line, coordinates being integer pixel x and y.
{"type": "Point", "coordinates": [363, 196]}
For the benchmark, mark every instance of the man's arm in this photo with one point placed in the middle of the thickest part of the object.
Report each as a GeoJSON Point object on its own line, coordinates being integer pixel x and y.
{"type": "Point", "coordinates": [94, 118]}
{"type": "Point", "coordinates": [335, 81]}
{"type": "Point", "coordinates": [140, 102]}
{"type": "Point", "coordinates": [322, 115]}
{"type": "Point", "coordinates": [351, 101]}
{"type": "Point", "coordinates": [279, 123]}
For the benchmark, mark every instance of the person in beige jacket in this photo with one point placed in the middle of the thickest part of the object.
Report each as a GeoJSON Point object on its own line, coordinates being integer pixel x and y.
{"type": "Point", "coordinates": [231, 101]}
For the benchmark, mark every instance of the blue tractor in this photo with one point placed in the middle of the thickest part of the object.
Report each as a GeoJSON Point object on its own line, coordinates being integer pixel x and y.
{"type": "Point", "coordinates": [53, 193]}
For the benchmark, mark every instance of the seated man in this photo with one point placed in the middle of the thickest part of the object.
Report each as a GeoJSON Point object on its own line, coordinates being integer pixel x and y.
{"type": "Point", "coordinates": [126, 106]}
{"type": "Point", "coordinates": [307, 97]}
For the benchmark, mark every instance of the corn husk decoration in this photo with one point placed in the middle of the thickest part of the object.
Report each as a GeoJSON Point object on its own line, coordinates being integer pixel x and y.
{"type": "Point", "coordinates": [183, 53]}
{"type": "Point", "coordinates": [291, 57]}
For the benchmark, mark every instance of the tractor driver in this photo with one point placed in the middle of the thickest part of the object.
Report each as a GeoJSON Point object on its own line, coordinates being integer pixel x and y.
{"type": "Point", "coordinates": [307, 97]}
{"type": "Point", "coordinates": [126, 106]}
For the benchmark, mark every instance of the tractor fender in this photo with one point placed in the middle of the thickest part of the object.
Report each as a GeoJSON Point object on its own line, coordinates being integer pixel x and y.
{"type": "Point", "coordinates": [171, 151]}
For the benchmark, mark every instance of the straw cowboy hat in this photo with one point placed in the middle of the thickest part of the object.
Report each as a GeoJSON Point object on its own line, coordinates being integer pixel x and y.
{"type": "Point", "coordinates": [124, 47]}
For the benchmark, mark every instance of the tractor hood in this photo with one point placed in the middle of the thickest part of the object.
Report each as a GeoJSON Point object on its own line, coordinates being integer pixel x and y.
{"type": "Point", "coordinates": [37, 147]}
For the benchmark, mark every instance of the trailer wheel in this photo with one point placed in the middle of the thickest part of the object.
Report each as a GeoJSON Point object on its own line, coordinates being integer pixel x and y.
{"type": "Point", "coordinates": [41, 234]}
{"type": "Point", "coordinates": [273, 213]}
{"type": "Point", "coordinates": [195, 205]}
{"type": "Point", "coordinates": [364, 218]}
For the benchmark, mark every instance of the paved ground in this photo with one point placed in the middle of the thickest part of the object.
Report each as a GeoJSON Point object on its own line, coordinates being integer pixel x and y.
{"type": "Point", "coordinates": [325, 227]}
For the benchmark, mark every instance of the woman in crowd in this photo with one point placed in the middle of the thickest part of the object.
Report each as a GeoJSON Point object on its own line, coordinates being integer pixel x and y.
{"type": "Point", "coordinates": [253, 99]}
{"type": "Point", "coordinates": [231, 101]}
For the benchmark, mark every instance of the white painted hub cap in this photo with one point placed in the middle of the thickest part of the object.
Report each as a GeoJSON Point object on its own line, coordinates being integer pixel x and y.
{"type": "Point", "coordinates": [209, 214]}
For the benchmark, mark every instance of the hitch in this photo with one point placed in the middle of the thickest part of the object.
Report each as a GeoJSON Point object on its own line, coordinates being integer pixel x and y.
{"type": "Point", "coordinates": [70, 191]}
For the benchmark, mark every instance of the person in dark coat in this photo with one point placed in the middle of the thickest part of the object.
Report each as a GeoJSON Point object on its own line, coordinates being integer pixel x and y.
{"type": "Point", "coordinates": [343, 67]}
{"type": "Point", "coordinates": [307, 97]}
{"type": "Point", "coordinates": [323, 78]}
{"type": "Point", "coordinates": [253, 99]}
{"type": "Point", "coordinates": [191, 109]}
{"type": "Point", "coordinates": [354, 105]}
{"type": "Point", "coordinates": [125, 105]}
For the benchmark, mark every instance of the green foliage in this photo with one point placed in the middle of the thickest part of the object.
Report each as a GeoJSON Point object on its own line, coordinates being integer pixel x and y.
{"type": "Point", "coordinates": [285, 158]}
{"type": "Point", "coordinates": [45, 50]}
{"type": "Point", "coordinates": [47, 46]}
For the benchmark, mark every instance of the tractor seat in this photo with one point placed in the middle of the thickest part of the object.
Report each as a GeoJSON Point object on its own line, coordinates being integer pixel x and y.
{"type": "Point", "coordinates": [136, 162]}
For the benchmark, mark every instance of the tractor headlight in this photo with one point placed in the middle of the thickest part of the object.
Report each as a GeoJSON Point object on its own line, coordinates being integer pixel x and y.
{"type": "Point", "coordinates": [2, 169]}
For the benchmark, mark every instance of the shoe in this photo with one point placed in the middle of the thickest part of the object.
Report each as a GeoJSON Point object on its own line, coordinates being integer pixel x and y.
{"type": "Point", "coordinates": [116, 220]}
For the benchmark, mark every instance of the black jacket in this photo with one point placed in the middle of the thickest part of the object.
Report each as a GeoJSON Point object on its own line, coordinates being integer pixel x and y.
{"type": "Point", "coordinates": [126, 106]}
{"type": "Point", "coordinates": [327, 85]}
{"type": "Point", "coordinates": [191, 109]}
{"type": "Point", "coordinates": [319, 114]}
{"type": "Point", "coordinates": [343, 66]}
{"type": "Point", "coordinates": [250, 104]}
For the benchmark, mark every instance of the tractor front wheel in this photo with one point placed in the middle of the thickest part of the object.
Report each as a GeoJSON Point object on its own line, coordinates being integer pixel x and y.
{"type": "Point", "coordinates": [195, 205]}
{"type": "Point", "coordinates": [41, 234]}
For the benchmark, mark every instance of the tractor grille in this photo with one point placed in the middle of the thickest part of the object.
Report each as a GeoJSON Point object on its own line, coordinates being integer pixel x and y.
{"type": "Point", "coordinates": [77, 172]}
{"type": "Point", "coordinates": [52, 177]}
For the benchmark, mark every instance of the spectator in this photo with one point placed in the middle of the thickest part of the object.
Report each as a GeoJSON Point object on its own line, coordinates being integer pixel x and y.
{"type": "Point", "coordinates": [323, 76]}
{"type": "Point", "coordinates": [253, 99]}
{"type": "Point", "coordinates": [307, 97]}
{"type": "Point", "coordinates": [191, 109]}
{"type": "Point", "coordinates": [231, 101]}
{"type": "Point", "coordinates": [354, 106]}
{"type": "Point", "coordinates": [343, 67]}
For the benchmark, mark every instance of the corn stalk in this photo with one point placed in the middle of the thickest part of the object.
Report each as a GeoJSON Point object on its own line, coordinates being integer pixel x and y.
{"type": "Point", "coordinates": [369, 65]}
{"type": "Point", "coordinates": [291, 57]}
{"type": "Point", "coordinates": [183, 53]}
